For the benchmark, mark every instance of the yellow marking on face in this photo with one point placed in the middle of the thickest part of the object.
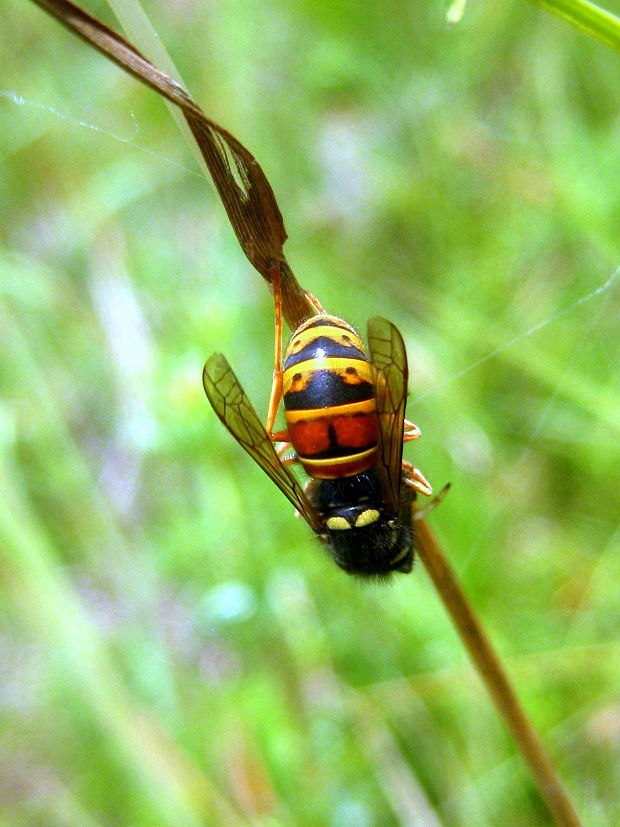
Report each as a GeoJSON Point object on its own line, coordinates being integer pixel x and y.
{"type": "Point", "coordinates": [371, 515]}
{"type": "Point", "coordinates": [337, 523]}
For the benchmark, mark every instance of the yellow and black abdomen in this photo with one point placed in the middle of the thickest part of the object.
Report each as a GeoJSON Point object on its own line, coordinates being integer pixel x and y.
{"type": "Point", "coordinates": [329, 399]}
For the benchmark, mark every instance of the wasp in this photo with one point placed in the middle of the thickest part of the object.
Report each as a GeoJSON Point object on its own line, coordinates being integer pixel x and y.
{"type": "Point", "coordinates": [345, 418]}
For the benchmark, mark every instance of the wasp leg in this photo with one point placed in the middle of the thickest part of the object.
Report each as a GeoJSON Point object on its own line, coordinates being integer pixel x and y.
{"type": "Point", "coordinates": [291, 460]}
{"type": "Point", "coordinates": [276, 384]}
{"type": "Point", "coordinates": [308, 487]}
{"type": "Point", "coordinates": [314, 302]}
{"type": "Point", "coordinates": [423, 512]}
{"type": "Point", "coordinates": [283, 448]}
{"type": "Point", "coordinates": [415, 479]}
{"type": "Point", "coordinates": [410, 431]}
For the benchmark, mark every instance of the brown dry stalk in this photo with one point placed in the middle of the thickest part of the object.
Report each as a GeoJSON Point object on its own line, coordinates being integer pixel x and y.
{"type": "Point", "coordinates": [494, 676]}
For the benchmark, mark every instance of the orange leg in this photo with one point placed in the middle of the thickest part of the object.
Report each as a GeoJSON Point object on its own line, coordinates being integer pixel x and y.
{"type": "Point", "coordinates": [314, 302]}
{"type": "Point", "coordinates": [283, 448]}
{"type": "Point", "coordinates": [276, 384]}
{"type": "Point", "coordinates": [410, 431]}
{"type": "Point", "coordinates": [415, 479]}
{"type": "Point", "coordinates": [423, 512]}
{"type": "Point", "coordinates": [308, 491]}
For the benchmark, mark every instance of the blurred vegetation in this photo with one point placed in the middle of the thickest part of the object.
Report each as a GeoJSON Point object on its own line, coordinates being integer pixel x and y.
{"type": "Point", "coordinates": [175, 648]}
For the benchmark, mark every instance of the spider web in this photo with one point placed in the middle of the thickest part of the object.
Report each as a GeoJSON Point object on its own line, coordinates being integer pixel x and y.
{"type": "Point", "coordinates": [19, 100]}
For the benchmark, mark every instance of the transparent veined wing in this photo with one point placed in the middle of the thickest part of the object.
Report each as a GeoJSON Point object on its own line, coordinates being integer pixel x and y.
{"type": "Point", "coordinates": [389, 358]}
{"type": "Point", "coordinates": [234, 409]}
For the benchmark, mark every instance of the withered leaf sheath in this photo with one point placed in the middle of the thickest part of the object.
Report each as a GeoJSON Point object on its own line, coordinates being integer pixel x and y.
{"type": "Point", "coordinates": [245, 191]}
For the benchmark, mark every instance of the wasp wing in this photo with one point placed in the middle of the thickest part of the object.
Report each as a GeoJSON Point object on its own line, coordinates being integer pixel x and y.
{"type": "Point", "coordinates": [389, 358]}
{"type": "Point", "coordinates": [234, 409]}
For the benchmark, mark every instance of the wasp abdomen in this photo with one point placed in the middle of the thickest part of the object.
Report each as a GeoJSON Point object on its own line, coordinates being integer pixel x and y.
{"type": "Point", "coordinates": [329, 399]}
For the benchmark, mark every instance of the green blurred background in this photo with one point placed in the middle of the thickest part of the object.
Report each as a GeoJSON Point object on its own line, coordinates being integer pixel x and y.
{"type": "Point", "coordinates": [175, 648]}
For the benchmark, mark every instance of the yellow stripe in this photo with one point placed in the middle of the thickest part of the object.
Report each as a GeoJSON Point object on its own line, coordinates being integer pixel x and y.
{"type": "Point", "coordinates": [336, 320]}
{"type": "Point", "coordinates": [363, 407]}
{"type": "Point", "coordinates": [321, 463]}
{"type": "Point", "coordinates": [332, 363]}
{"type": "Point", "coordinates": [302, 337]}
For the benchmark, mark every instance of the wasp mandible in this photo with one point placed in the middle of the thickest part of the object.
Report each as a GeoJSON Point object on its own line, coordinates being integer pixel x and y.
{"type": "Point", "coordinates": [345, 417]}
